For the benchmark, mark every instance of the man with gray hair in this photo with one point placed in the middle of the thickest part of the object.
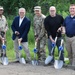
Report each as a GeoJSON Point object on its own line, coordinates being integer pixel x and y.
{"type": "Point", "coordinates": [20, 28]}
{"type": "Point", "coordinates": [39, 32]}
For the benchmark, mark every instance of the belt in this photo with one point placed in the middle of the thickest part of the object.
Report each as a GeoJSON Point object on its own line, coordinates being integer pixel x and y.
{"type": "Point", "coordinates": [70, 36]}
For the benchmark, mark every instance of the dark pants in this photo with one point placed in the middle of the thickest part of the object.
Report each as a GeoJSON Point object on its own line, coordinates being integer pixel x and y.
{"type": "Point", "coordinates": [57, 44]}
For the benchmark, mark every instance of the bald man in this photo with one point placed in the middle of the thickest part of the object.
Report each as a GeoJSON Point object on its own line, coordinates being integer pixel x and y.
{"type": "Point", "coordinates": [40, 33]}
{"type": "Point", "coordinates": [52, 25]}
{"type": "Point", "coordinates": [20, 28]}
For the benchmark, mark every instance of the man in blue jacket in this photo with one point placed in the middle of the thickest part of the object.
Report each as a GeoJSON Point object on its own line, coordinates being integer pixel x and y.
{"type": "Point", "coordinates": [69, 27]}
{"type": "Point", "coordinates": [20, 28]}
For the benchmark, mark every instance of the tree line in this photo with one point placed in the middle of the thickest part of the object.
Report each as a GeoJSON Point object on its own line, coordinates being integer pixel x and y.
{"type": "Point", "coordinates": [11, 6]}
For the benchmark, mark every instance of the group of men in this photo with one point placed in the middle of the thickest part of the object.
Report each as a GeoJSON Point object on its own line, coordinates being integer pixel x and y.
{"type": "Point", "coordinates": [44, 28]}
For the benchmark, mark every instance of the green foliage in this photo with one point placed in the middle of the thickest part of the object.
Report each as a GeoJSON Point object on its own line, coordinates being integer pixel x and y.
{"type": "Point", "coordinates": [61, 5]}
{"type": "Point", "coordinates": [11, 6]}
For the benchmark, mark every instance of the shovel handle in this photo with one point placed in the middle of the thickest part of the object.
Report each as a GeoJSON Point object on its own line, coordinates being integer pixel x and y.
{"type": "Point", "coordinates": [55, 39]}
{"type": "Point", "coordinates": [53, 45]}
{"type": "Point", "coordinates": [60, 54]}
{"type": "Point", "coordinates": [52, 51]}
{"type": "Point", "coordinates": [3, 45]}
{"type": "Point", "coordinates": [20, 47]}
{"type": "Point", "coordinates": [62, 42]}
{"type": "Point", "coordinates": [3, 41]}
{"type": "Point", "coordinates": [35, 44]}
{"type": "Point", "coordinates": [19, 42]}
{"type": "Point", "coordinates": [61, 45]}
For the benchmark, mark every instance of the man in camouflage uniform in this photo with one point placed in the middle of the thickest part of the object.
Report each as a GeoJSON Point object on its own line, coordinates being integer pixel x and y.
{"type": "Point", "coordinates": [3, 29]}
{"type": "Point", "coordinates": [39, 31]}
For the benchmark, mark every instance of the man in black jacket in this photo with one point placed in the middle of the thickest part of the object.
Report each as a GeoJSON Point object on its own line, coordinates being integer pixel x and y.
{"type": "Point", "coordinates": [53, 24]}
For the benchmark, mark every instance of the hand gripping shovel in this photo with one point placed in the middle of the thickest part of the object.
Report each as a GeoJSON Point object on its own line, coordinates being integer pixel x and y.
{"type": "Point", "coordinates": [35, 62]}
{"type": "Point", "coordinates": [4, 58]}
{"type": "Point", "coordinates": [58, 64]}
{"type": "Point", "coordinates": [50, 57]}
{"type": "Point", "coordinates": [21, 59]}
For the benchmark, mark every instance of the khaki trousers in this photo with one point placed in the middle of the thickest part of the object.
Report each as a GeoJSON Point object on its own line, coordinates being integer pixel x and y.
{"type": "Point", "coordinates": [25, 46]}
{"type": "Point", "coordinates": [70, 46]}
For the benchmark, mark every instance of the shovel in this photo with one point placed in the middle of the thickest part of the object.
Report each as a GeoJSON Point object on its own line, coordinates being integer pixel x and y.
{"type": "Point", "coordinates": [4, 58]}
{"type": "Point", "coordinates": [21, 59]}
{"type": "Point", "coordinates": [58, 64]}
{"type": "Point", "coordinates": [50, 57]}
{"type": "Point", "coordinates": [35, 62]}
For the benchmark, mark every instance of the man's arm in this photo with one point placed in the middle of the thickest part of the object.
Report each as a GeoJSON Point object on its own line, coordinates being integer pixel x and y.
{"type": "Point", "coordinates": [63, 27]}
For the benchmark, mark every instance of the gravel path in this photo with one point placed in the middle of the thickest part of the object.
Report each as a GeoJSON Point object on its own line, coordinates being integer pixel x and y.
{"type": "Point", "coordinates": [28, 69]}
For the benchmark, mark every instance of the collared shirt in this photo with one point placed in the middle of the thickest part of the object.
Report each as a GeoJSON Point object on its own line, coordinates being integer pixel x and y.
{"type": "Point", "coordinates": [69, 24]}
{"type": "Point", "coordinates": [20, 21]}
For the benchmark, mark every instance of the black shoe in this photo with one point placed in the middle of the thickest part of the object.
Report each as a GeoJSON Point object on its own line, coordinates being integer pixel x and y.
{"type": "Point", "coordinates": [16, 61]}
{"type": "Point", "coordinates": [69, 67]}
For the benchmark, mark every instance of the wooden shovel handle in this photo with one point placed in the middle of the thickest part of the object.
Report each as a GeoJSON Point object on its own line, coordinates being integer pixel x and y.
{"type": "Point", "coordinates": [19, 42]}
{"type": "Point", "coordinates": [3, 41]}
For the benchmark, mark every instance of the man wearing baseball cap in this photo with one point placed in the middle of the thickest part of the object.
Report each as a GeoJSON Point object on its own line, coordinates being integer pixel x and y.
{"type": "Point", "coordinates": [3, 29]}
{"type": "Point", "coordinates": [39, 32]}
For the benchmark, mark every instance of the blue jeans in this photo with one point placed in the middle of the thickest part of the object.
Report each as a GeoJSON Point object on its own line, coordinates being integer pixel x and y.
{"type": "Point", "coordinates": [57, 44]}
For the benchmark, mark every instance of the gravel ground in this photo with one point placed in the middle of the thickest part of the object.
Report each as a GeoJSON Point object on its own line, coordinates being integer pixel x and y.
{"type": "Point", "coordinates": [28, 69]}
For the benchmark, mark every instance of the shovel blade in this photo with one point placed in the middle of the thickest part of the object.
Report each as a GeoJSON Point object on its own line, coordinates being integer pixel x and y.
{"type": "Point", "coordinates": [22, 60]}
{"type": "Point", "coordinates": [58, 64]}
{"type": "Point", "coordinates": [34, 62]}
{"type": "Point", "coordinates": [4, 60]}
{"type": "Point", "coordinates": [48, 60]}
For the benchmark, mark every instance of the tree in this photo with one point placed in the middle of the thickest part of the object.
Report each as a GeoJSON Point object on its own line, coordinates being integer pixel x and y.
{"type": "Point", "coordinates": [11, 6]}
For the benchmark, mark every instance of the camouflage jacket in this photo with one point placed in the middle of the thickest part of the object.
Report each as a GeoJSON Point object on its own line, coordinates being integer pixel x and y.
{"type": "Point", "coordinates": [3, 23]}
{"type": "Point", "coordinates": [38, 26]}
